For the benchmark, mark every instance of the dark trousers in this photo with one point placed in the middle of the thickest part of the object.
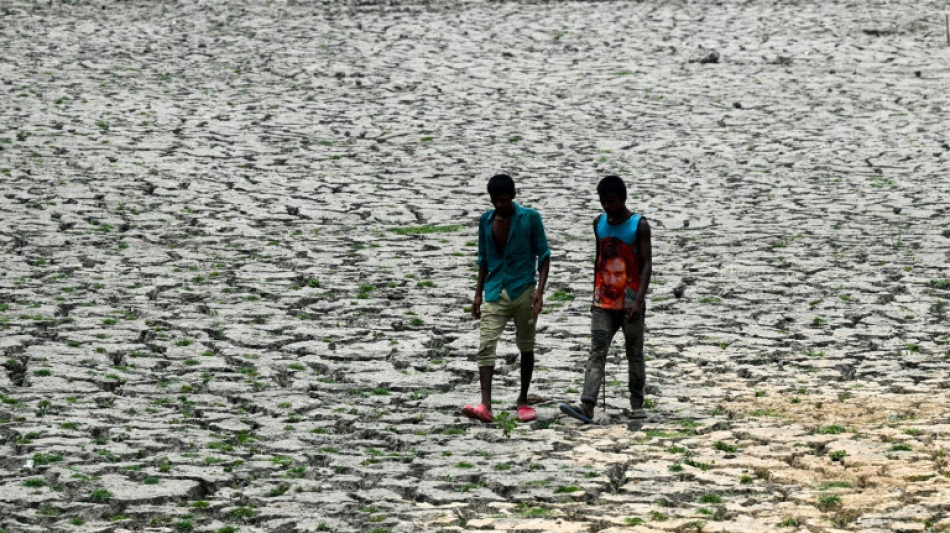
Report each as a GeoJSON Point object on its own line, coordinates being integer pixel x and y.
{"type": "Point", "coordinates": [604, 324]}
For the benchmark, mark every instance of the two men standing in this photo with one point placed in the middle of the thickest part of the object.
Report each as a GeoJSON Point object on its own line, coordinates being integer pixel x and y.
{"type": "Point", "coordinates": [512, 245]}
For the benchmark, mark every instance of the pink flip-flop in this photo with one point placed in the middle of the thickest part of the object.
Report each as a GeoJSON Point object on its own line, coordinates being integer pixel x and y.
{"type": "Point", "coordinates": [479, 412]}
{"type": "Point", "coordinates": [526, 413]}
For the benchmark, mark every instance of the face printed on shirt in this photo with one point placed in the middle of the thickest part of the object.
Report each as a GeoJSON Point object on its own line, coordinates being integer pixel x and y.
{"type": "Point", "coordinates": [616, 274]}
{"type": "Point", "coordinates": [615, 277]}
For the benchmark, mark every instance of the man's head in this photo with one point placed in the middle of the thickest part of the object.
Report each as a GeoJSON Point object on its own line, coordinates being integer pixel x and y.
{"type": "Point", "coordinates": [613, 195]}
{"type": "Point", "coordinates": [501, 189]}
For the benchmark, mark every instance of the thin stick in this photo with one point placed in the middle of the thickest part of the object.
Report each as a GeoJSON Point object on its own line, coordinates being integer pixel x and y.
{"type": "Point", "coordinates": [946, 21]}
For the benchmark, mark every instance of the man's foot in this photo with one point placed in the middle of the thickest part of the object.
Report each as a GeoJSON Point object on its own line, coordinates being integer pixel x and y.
{"type": "Point", "coordinates": [576, 411]}
{"type": "Point", "coordinates": [479, 412]}
{"type": "Point", "coordinates": [638, 413]}
{"type": "Point", "coordinates": [526, 413]}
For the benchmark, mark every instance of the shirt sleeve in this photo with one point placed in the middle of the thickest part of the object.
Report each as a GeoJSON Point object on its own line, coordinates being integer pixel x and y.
{"type": "Point", "coordinates": [482, 259]}
{"type": "Point", "coordinates": [539, 240]}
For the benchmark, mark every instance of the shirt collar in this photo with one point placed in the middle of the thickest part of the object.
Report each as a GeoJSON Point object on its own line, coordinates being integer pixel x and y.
{"type": "Point", "coordinates": [518, 212]}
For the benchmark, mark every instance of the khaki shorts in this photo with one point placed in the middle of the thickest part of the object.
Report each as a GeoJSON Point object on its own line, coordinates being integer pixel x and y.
{"type": "Point", "coordinates": [495, 316]}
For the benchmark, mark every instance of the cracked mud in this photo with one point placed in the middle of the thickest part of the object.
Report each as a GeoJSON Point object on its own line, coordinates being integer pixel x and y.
{"type": "Point", "coordinates": [237, 252]}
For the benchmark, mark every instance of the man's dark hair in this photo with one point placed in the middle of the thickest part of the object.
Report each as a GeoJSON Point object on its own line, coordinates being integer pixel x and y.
{"type": "Point", "coordinates": [501, 184]}
{"type": "Point", "coordinates": [612, 185]}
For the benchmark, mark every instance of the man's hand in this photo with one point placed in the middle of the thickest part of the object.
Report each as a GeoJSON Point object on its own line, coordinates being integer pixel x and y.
{"type": "Point", "coordinates": [538, 303]}
{"type": "Point", "coordinates": [634, 311]}
{"type": "Point", "coordinates": [477, 307]}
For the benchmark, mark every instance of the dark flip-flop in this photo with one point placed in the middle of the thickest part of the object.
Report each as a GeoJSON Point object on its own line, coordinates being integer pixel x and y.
{"type": "Point", "coordinates": [575, 412]}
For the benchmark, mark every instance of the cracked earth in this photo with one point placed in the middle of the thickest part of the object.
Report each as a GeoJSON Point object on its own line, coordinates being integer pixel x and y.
{"type": "Point", "coordinates": [238, 250]}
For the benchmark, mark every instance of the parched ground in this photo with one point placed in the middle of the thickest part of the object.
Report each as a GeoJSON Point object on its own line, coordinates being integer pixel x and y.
{"type": "Point", "coordinates": [237, 251]}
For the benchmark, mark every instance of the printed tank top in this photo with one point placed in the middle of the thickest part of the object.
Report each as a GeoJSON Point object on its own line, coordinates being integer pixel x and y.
{"type": "Point", "coordinates": [617, 272]}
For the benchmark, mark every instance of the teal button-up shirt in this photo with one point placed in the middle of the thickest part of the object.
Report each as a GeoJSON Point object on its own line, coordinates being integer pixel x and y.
{"type": "Point", "coordinates": [526, 250]}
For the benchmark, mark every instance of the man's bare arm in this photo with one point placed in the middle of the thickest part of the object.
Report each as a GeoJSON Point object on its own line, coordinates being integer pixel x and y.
{"type": "Point", "coordinates": [538, 303]}
{"type": "Point", "coordinates": [645, 258]}
{"type": "Point", "coordinates": [479, 289]}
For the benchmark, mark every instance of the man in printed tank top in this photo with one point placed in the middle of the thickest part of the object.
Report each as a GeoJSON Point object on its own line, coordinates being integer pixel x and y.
{"type": "Point", "coordinates": [622, 269]}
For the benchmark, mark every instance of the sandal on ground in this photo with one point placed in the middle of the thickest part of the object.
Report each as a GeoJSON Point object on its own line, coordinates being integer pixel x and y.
{"type": "Point", "coordinates": [574, 411]}
{"type": "Point", "coordinates": [526, 413]}
{"type": "Point", "coordinates": [479, 412]}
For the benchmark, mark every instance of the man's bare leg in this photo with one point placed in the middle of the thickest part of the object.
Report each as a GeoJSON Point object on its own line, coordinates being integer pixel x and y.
{"type": "Point", "coordinates": [527, 370]}
{"type": "Point", "coordinates": [485, 375]}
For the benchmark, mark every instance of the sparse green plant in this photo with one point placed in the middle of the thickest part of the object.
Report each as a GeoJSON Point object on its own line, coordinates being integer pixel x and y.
{"type": "Point", "coordinates": [524, 509]}
{"type": "Point", "coordinates": [421, 230]}
{"type": "Point", "coordinates": [725, 447]}
{"type": "Point", "coordinates": [562, 296]}
{"type": "Point", "coordinates": [695, 464]}
{"type": "Point", "coordinates": [788, 522]}
{"type": "Point", "coordinates": [42, 459]}
{"type": "Point", "coordinates": [506, 422]}
{"type": "Point", "coordinates": [243, 513]}
{"type": "Point", "coordinates": [688, 423]}
{"type": "Point", "coordinates": [695, 525]}
{"type": "Point", "coordinates": [828, 501]}
{"type": "Point", "coordinates": [834, 485]}
{"type": "Point", "coordinates": [279, 490]}
{"type": "Point", "coordinates": [101, 495]}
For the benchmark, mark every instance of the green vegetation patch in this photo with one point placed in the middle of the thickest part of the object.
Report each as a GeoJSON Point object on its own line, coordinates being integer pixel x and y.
{"type": "Point", "coordinates": [422, 230]}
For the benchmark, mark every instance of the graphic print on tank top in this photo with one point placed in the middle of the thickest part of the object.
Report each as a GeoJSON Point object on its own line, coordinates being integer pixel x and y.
{"type": "Point", "coordinates": [617, 272]}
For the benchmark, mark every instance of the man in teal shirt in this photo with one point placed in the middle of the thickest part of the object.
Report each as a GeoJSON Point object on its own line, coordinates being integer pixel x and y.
{"type": "Point", "coordinates": [512, 246]}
